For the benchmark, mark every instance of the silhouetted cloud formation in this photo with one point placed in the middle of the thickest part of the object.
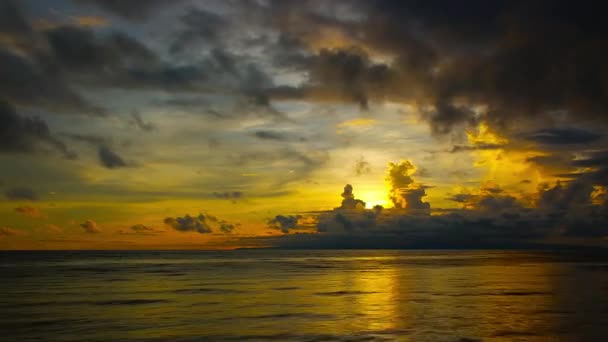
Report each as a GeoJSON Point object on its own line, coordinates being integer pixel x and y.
{"type": "Point", "coordinates": [90, 227]}
{"type": "Point", "coordinates": [221, 99]}
{"type": "Point", "coordinates": [405, 193]}
{"type": "Point", "coordinates": [284, 222]}
{"type": "Point", "coordinates": [348, 199]}
{"type": "Point", "coordinates": [203, 224]}
{"type": "Point", "coordinates": [489, 218]}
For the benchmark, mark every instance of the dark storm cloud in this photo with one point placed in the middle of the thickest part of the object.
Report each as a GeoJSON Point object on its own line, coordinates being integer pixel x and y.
{"type": "Point", "coordinates": [562, 136]}
{"type": "Point", "coordinates": [38, 81]}
{"type": "Point", "coordinates": [109, 158]}
{"type": "Point", "coordinates": [199, 27]}
{"type": "Point", "coordinates": [132, 10]}
{"type": "Point", "coordinates": [551, 161]}
{"type": "Point", "coordinates": [29, 73]}
{"type": "Point", "coordinates": [12, 19]}
{"type": "Point", "coordinates": [81, 50]}
{"type": "Point", "coordinates": [593, 159]}
{"type": "Point", "coordinates": [349, 75]}
{"type": "Point", "coordinates": [527, 67]}
{"type": "Point", "coordinates": [48, 65]}
{"type": "Point", "coordinates": [27, 134]}
{"type": "Point", "coordinates": [21, 193]}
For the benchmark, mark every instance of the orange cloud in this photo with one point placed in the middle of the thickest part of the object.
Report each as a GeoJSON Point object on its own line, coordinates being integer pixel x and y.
{"type": "Point", "coordinates": [30, 212]}
{"type": "Point", "coordinates": [90, 21]}
{"type": "Point", "coordinates": [90, 226]}
{"type": "Point", "coordinates": [6, 231]}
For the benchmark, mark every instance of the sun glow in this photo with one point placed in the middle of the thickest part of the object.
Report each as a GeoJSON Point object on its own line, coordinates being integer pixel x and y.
{"type": "Point", "coordinates": [373, 198]}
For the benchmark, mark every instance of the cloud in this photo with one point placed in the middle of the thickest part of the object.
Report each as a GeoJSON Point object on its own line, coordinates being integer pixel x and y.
{"type": "Point", "coordinates": [200, 27]}
{"type": "Point", "coordinates": [90, 21]}
{"type": "Point", "coordinates": [90, 227]}
{"type": "Point", "coordinates": [132, 10]}
{"type": "Point", "coordinates": [284, 222]}
{"type": "Point", "coordinates": [405, 193]}
{"type": "Point", "coordinates": [476, 147]}
{"type": "Point", "coordinates": [203, 224]}
{"type": "Point", "coordinates": [7, 231]}
{"type": "Point", "coordinates": [296, 163]}
{"type": "Point", "coordinates": [140, 229]}
{"type": "Point", "coordinates": [106, 155]}
{"type": "Point", "coordinates": [491, 217]}
{"type": "Point", "coordinates": [348, 199]}
{"type": "Point", "coordinates": [109, 158]}
{"type": "Point", "coordinates": [226, 227]}
{"type": "Point", "coordinates": [453, 65]}
{"type": "Point", "coordinates": [51, 228]}
{"type": "Point", "coordinates": [21, 193]}
{"type": "Point", "coordinates": [12, 19]}
{"type": "Point", "coordinates": [29, 211]}
{"type": "Point", "coordinates": [188, 224]}
{"type": "Point", "coordinates": [79, 49]}
{"type": "Point", "coordinates": [230, 195]}
{"type": "Point", "coordinates": [35, 81]}
{"type": "Point", "coordinates": [362, 167]}
{"type": "Point", "coordinates": [562, 136]}
{"type": "Point", "coordinates": [141, 124]}
{"type": "Point", "coordinates": [94, 140]}
{"type": "Point", "coordinates": [270, 135]}
{"type": "Point", "coordinates": [20, 134]}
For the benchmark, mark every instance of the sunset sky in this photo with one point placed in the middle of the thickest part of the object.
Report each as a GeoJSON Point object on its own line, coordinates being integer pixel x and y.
{"type": "Point", "coordinates": [369, 124]}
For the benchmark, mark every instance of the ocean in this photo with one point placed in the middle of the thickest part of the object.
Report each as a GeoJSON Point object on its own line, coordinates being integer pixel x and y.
{"type": "Point", "coordinates": [303, 295]}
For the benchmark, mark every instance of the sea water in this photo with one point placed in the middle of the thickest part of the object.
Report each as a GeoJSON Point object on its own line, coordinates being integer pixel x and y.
{"type": "Point", "coordinates": [295, 295]}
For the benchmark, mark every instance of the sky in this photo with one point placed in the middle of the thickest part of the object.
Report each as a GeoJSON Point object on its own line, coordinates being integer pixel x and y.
{"type": "Point", "coordinates": [302, 124]}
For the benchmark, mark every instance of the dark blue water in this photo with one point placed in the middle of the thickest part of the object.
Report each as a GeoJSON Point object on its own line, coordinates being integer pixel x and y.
{"type": "Point", "coordinates": [272, 295]}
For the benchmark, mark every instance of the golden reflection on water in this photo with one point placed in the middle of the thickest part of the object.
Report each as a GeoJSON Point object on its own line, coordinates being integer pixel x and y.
{"type": "Point", "coordinates": [413, 296]}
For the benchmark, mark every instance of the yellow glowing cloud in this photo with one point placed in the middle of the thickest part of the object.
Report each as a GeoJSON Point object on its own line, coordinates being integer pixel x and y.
{"type": "Point", "coordinates": [359, 122]}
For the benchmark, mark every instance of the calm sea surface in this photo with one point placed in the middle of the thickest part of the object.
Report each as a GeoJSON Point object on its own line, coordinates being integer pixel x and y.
{"type": "Point", "coordinates": [275, 295]}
